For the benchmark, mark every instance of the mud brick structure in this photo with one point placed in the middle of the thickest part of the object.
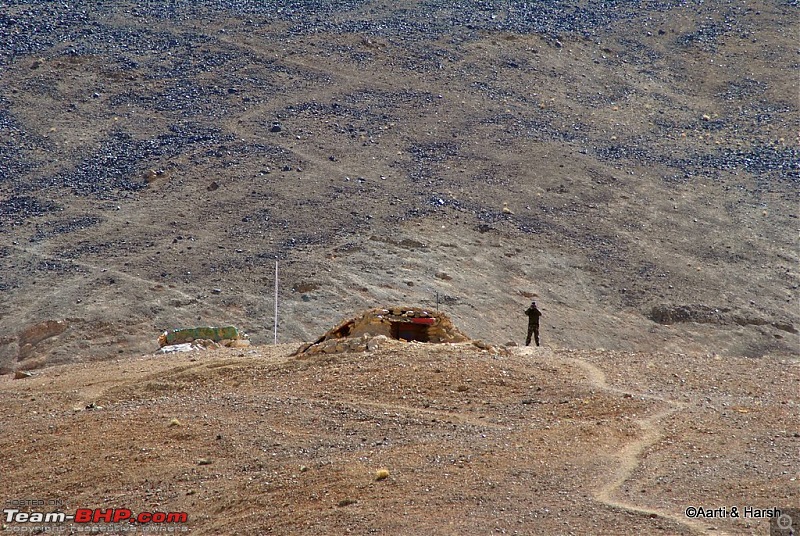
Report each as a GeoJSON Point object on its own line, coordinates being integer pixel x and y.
{"type": "Point", "coordinates": [400, 323]}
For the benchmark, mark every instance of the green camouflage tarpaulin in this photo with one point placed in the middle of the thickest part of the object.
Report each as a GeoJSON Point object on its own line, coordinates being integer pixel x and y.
{"type": "Point", "coordinates": [180, 336]}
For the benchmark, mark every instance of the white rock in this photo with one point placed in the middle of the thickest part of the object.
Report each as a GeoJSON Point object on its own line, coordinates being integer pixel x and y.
{"type": "Point", "coordinates": [185, 347]}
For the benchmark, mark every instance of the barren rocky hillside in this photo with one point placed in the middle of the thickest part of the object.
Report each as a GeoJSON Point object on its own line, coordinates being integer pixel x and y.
{"type": "Point", "coordinates": [634, 165]}
{"type": "Point", "coordinates": [631, 165]}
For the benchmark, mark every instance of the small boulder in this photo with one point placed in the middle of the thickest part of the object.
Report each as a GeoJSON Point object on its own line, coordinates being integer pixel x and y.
{"type": "Point", "coordinates": [376, 342]}
{"type": "Point", "coordinates": [482, 345]}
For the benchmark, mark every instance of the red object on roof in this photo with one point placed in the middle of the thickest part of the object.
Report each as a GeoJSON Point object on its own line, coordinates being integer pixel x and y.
{"type": "Point", "coordinates": [427, 321]}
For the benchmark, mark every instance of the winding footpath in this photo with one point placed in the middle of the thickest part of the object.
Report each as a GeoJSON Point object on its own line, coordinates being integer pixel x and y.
{"type": "Point", "coordinates": [629, 458]}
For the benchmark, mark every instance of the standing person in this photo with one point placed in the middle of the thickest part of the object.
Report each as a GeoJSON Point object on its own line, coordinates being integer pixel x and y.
{"type": "Point", "coordinates": [533, 323]}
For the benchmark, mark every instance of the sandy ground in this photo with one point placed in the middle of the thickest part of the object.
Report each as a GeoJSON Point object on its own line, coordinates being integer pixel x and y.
{"type": "Point", "coordinates": [523, 441]}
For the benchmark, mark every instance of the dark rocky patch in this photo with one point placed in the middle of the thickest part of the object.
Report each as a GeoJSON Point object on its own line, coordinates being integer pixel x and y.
{"type": "Point", "coordinates": [704, 314]}
{"type": "Point", "coordinates": [50, 229]}
{"type": "Point", "coordinates": [18, 208]}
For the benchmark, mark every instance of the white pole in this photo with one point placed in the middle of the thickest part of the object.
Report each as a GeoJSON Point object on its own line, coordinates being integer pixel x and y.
{"type": "Point", "coordinates": [276, 302]}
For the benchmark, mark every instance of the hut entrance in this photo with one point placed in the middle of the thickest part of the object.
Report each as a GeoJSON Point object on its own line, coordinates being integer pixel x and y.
{"type": "Point", "coordinates": [410, 332]}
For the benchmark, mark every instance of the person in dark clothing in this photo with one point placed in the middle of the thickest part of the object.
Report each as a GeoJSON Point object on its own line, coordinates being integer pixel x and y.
{"type": "Point", "coordinates": [533, 323]}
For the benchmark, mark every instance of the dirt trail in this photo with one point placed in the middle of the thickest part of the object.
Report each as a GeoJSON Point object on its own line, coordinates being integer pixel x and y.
{"type": "Point", "coordinates": [571, 437]}
{"type": "Point", "coordinates": [629, 458]}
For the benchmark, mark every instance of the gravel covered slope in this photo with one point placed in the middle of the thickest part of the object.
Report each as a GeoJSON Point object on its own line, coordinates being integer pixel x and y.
{"type": "Point", "coordinates": [634, 164]}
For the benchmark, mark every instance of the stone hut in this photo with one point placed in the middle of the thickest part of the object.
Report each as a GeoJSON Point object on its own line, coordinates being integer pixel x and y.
{"type": "Point", "coordinates": [399, 323]}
